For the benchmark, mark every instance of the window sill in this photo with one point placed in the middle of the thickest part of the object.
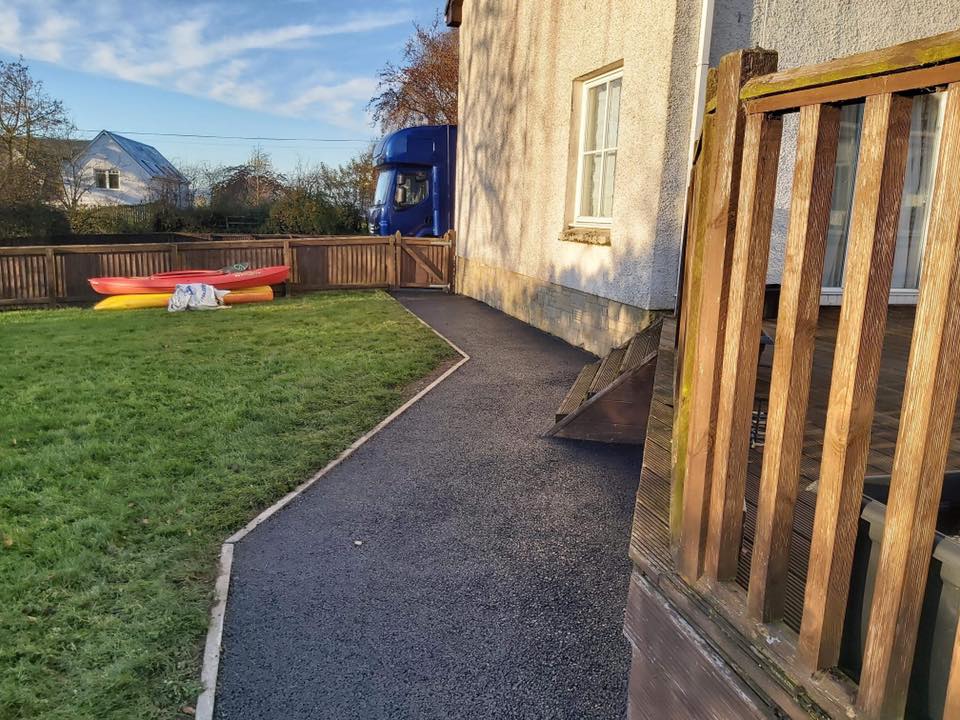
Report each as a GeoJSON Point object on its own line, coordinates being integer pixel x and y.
{"type": "Point", "coordinates": [586, 235]}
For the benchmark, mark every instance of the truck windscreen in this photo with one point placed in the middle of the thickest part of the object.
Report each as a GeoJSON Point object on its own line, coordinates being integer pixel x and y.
{"type": "Point", "coordinates": [384, 186]}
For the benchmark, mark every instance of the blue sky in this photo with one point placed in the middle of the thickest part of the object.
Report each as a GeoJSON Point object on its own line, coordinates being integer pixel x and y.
{"type": "Point", "coordinates": [277, 68]}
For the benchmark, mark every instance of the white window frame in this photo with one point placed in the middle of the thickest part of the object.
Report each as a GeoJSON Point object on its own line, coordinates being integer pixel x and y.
{"type": "Point", "coordinates": [590, 220]}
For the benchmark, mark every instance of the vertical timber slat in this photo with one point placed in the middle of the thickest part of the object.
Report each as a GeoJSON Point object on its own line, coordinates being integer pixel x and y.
{"type": "Point", "coordinates": [688, 324]}
{"type": "Point", "coordinates": [748, 272]}
{"type": "Point", "coordinates": [793, 357]}
{"type": "Point", "coordinates": [929, 401]}
{"type": "Point", "coordinates": [735, 69]}
{"type": "Point", "coordinates": [853, 387]}
{"type": "Point", "coordinates": [50, 272]}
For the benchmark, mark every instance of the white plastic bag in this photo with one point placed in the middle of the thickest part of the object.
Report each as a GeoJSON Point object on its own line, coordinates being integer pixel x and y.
{"type": "Point", "coordinates": [196, 296]}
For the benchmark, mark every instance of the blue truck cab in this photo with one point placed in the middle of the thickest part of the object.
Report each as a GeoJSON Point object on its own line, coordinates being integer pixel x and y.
{"type": "Point", "coordinates": [415, 179]}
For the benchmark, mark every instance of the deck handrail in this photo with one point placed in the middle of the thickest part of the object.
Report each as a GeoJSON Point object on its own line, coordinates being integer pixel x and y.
{"type": "Point", "coordinates": [729, 227]}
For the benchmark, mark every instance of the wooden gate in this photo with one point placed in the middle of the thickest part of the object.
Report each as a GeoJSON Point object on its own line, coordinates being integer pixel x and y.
{"type": "Point", "coordinates": [424, 262]}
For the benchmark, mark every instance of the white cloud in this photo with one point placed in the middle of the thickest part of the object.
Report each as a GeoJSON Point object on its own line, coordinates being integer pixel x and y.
{"type": "Point", "coordinates": [337, 100]}
{"type": "Point", "coordinates": [202, 52]}
{"type": "Point", "coordinates": [9, 28]}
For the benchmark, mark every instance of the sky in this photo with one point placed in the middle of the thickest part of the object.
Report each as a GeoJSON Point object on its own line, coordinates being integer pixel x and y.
{"type": "Point", "coordinates": [301, 69]}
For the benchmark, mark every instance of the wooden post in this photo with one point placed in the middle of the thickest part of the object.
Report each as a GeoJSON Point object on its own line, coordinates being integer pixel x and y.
{"type": "Point", "coordinates": [929, 402]}
{"type": "Point", "coordinates": [748, 272]}
{"type": "Point", "coordinates": [735, 69]}
{"type": "Point", "coordinates": [688, 323]}
{"type": "Point", "coordinates": [174, 257]}
{"type": "Point", "coordinates": [452, 261]}
{"type": "Point", "coordinates": [793, 357]}
{"type": "Point", "coordinates": [398, 259]}
{"type": "Point", "coordinates": [50, 267]}
{"type": "Point", "coordinates": [392, 261]}
{"type": "Point", "coordinates": [288, 261]}
{"type": "Point", "coordinates": [853, 386]}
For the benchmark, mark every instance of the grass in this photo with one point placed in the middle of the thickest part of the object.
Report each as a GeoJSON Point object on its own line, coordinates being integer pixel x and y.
{"type": "Point", "coordinates": [132, 444]}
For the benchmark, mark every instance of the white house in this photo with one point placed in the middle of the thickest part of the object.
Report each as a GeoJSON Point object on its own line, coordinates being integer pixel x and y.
{"type": "Point", "coordinates": [115, 170]}
{"type": "Point", "coordinates": [576, 124]}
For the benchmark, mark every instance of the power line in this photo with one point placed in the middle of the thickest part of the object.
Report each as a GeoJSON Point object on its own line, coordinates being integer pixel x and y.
{"type": "Point", "coordinates": [236, 137]}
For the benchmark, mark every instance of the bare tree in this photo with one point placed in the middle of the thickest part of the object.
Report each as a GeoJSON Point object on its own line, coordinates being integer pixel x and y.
{"type": "Point", "coordinates": [422, 90]}
{"type": "Point", "coordinates": [253, 184]}
{"type": "Point", "coordinates": [27, 116]}
{"type": "Point", "coordinates": [74, 183]}
{"type": "Point", "coordinates": [203, 177]}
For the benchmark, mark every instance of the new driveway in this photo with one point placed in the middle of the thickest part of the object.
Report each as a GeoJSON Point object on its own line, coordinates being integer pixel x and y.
{"type": "Point", "coordinates": [493, 571]}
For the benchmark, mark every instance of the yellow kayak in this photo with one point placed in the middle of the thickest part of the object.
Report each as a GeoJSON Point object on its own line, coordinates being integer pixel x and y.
{"type": "Point", "coordinates": [263, 293]}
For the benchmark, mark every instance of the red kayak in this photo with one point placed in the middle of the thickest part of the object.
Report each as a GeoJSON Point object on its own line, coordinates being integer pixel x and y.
{"type": "Point", "coordinates": [166, 282]}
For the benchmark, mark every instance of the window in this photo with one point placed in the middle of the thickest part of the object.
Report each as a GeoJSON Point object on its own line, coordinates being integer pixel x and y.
{"type": "Point", "coordinates": [597, 161]}
{"type": "Point", "coordinates": [413, 187]}
{"type": "Point", "coordinates": [925, 124]}
{"type": "Point", "coordinates": [107, 179]}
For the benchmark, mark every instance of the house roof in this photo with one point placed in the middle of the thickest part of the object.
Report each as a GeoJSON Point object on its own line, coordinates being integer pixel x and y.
{"type": "Point", "coordinates": [146, 155]}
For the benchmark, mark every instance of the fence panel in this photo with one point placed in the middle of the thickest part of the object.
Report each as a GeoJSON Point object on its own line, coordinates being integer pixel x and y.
{"type": "Point", "coordinates": [60, 273]}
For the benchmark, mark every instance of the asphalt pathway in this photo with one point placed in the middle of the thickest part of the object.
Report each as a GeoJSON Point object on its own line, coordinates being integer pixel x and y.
{"type": "Point", "coordinates": [493, 570]}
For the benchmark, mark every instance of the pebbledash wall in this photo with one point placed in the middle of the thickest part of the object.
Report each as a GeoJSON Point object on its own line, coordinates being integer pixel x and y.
{"type": "Point", "coordinates": [804, 32]}
{"type": "Point", "coordinates": [520, 63]}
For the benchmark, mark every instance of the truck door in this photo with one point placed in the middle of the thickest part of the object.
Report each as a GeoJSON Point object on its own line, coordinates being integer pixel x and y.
{"type": "Point", "coordinates": [412, 204]}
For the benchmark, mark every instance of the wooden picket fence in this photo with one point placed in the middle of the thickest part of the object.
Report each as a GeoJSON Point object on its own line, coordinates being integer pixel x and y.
{"type": "Point", "coordinates": [50, 275]}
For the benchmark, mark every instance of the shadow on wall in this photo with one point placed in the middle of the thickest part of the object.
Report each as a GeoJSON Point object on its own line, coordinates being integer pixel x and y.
{"type": "Point", "coordinates": [513, 47]}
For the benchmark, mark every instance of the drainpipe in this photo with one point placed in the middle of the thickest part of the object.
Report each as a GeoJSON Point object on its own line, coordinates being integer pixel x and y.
{"type": "Point", "coordinates": [700, 78]}
{"type": "Point", "coordinates": [696, 118]}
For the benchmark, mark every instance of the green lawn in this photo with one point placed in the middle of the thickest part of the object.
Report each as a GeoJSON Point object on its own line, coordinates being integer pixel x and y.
{"type": "Point", "coordinates": [133, 443]}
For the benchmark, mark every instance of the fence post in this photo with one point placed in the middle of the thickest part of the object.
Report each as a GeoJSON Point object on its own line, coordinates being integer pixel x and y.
{"type": "Point", "coordinates": [452, 261]}
{"type": "Point", "coordinates": [288, 261]}
{"type": "Point", "coordinates": [51, 273]}
{"type": "Point", "coordinates": [174, 257]}
{"type": "Point", "coordinates": [394, 259]}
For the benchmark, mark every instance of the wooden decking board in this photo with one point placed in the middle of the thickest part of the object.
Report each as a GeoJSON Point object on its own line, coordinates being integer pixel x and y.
{"type": "Point", "coordinates": [578, 391]}
{"type": "Point", "coordinates": [650, 534]}
{"type": "Point", "coordinates": [641, 347]}
{"type": "Point", "coordinates": [609, 368]}
{"type": "Point", "coordinates": [650, 537]}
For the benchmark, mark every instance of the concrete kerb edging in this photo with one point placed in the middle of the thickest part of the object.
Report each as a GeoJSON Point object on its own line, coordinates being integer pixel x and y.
{"type": "Point", "coordinates": [211, 651]}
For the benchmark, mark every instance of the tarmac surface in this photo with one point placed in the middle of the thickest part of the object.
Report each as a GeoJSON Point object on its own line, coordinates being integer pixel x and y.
{"type": "Point", "coordinates": [492, 575]}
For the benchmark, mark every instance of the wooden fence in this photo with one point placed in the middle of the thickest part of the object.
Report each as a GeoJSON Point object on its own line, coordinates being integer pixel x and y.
{"type": "Point", "coordinates": [58, 274]}
{"type": "Point", "coordinates": [725, 265]}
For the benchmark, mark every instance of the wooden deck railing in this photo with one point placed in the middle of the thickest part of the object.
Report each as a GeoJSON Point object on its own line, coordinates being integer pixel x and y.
{"type": "Point", "coordinates": [59, 273]}
{"type": "Point", "coordinates": [728, 240]}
